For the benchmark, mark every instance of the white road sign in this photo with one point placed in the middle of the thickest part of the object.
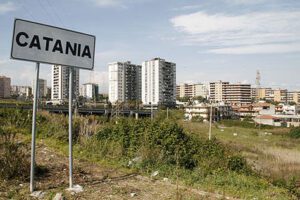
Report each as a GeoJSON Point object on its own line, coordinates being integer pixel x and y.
{"type": "Point", "coordinates": [47, 44]}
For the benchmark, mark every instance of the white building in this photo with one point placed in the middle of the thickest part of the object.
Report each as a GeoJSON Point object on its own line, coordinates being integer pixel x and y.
{"type": "Point", "coordinates": [158, 82]}
{"type": "Point", "coordinates": [201, 90]}
{"type": "Point", "coordinates": [5, 87]}
{"type": "Point", "coordinates": [219, 111]}
{"type": "Point", "coordinates": [90, 90]}
{"type": "Point", "coordinates": [218, 91]}
{"type": "Point", "coordinates": [192, 90]}
{"type": "Point", "coordinates": [60, 83]}
{"type": "Point", "coordinates": [124, 81]}
{"type": "Point", "coordinates": [230, 93]}
{"type": "Point", "coordinates": [24, 91]}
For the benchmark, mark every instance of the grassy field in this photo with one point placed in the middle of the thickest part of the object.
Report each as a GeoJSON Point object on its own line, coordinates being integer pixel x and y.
{"type": "Point", "coordinates": [271, 151]}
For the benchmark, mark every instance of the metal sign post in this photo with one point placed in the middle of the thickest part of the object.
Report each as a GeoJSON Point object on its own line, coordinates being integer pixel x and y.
{"type": "Point", "coordinates": [210, 121]}
{"type": "Point", "coordinates": [42, 43]}
{"type": "Point", "coordinates": [35, 101]}
{"type": "Point", "coordinates": [70, 127]}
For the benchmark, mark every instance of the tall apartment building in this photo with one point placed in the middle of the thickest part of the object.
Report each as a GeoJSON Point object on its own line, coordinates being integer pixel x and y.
{"type": "Point", "coordinates": [24, 91]}
{"type": "Point", "coordinates": [280, 95]}
{"type": "Point", "coordinates": [217, 91]}
{"type": "Point", "coordinates": [158, 82]}
{"type": "Point", "coordinates": [200, 89]}
{"type": "Point", "coordinates": [230, 93]}
{"type": "Point", "coordinates": [262, 93]}
{"type": "Point", "coordinates": [60, 83]}
{"type": "Point", "coordinates": [124, 81]}
{"type": "Point", "coordinates": [184, 90]}
{"type": "Point", "coordinates": [5, 87]}
{"type": "Point", "coordinates": [192, 90]}
{"type": "Point", "coordinates": [90, 90]}
{"type": "Point", "coordinates": [238, 93]}
{"type": "Point", "coordinates": [293, 96]}
{"type": "Point", "coordinates": [42, 87]}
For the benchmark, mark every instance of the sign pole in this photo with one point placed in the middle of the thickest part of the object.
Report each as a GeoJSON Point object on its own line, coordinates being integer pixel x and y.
{"type": "Point", "coordinates": [70, 127]}
{"type": "Point", "coordinates": [33, 133]}
{"type": "Point", "coordinates": [210, 121]}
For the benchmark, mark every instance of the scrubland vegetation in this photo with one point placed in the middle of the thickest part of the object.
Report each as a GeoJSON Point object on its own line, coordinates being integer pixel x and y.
{"type": "Point", "coordinates": [241, 160]}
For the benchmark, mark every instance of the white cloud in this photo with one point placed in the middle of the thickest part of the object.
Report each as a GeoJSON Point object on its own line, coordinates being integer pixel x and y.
{"type": "Point", "coordinates": [108, 3]}
{"type": "Point", "coordinates": [245, 2]}
{"type": "Point", "coordinates": [259, 49]}
{"type": "Point", "coordinates": [4, 62]}
{"type": "Point", "coordinates": [7, 7]}
{"type": "Point", "coordinates": [255, 31]}
{"type": "Point", "coordinates": [187, 7]}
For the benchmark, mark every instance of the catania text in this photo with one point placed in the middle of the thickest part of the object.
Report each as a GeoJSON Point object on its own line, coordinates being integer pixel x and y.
{"type": "Point", "coordinates": [53, 45]}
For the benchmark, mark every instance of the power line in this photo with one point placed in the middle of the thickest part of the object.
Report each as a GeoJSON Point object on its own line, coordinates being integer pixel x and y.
{"type": "Point", "coordinates": [55, 13]}
{"type": "Point", "coordinates": [45, 9]}
{"type": "Point", "coordinates": [27, 11]}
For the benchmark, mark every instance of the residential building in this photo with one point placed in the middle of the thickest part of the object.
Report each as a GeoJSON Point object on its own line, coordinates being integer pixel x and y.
{"type": "Point", "coordinates": [184, 90]}
{"type": "Point", "coordinates": [252, 110]}
{"type": "Point", "coordinates": [124, 81]}
{"type": "Point", "coordinates": [230, 93]}
{"type": "Point", "coordinates": [192, 90]}
{"type": "Point", "coordinates": [294, 97]}
{"type": "Point", "coordinates": [254, 92]}
{"type": "Point", "coordinates": [48, 95]}
{"type": "Point", "coordinates": [90, 90]}
{"type": "Point", "coordinates": [278, 120]}
{"type": "Point", "coordinates": [159, 82]}
{"type": "Point", "coordinates": [200, 89]}
{"type": "Point", "coordinates": [60, 83]}
{"type": "Point", "coordinates": [238, 93]}
{"type": "Point", "coordinates": [217, 91]}
{"type": "Point", "coordinates": [219, 111]}
{"type": "Point", "coordinates": [24, 91]}
{"type": "Point", "coordinates": [5, 85]}
{"type": "Point", "coordinates": [262, 93]}
{"type": "Point", "coordinates": [280, 95]}
{"type": "Point", "coordinates": [42, 87]}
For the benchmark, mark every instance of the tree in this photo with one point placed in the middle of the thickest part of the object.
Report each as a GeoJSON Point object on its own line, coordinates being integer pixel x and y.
{"type": "Point", "coordinates": [200, 99]}
{"type": "Point", "coordinates": [183, 99]}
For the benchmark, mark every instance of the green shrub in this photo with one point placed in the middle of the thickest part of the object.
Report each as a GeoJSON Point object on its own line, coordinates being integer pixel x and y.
{"type": "Point", "coordinates": [14, 161]}
{"type": "Point", "coordinates": [238, 163]}
{"type": "Point", "coordinates": [18, 118]}
{"type": "Point", "coordinates": [197, 119]}
{"type": "Point", "coordinates": [295, 132]}
{"type": "Point", "coordinates": [165, 143]}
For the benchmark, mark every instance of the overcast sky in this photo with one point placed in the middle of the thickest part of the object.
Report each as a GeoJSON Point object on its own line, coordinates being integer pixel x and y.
{"type": "Point", "coordinates": [209, 40]}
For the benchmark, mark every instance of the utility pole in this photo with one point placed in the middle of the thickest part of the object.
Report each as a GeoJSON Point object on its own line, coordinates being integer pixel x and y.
{"type": "Point", "coordinates": [210, 121]}
{"type": "Point", "coordinates": [167, 112]}
{"type": "Point", "coordinates": [151, 111]}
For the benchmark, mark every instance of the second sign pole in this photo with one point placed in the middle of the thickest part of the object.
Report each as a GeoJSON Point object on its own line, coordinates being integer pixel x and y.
{"type": "Point", "coordinates": [70, 127]}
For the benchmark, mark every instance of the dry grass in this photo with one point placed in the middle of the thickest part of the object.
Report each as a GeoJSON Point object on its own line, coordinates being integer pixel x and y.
{"type": "Point", "coordinates": [279, 163]}
{"type": "Point", "coordinates": [274, 155]}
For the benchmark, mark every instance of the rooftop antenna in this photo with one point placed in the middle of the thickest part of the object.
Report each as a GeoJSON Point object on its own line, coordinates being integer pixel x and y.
{"type": "Point", "coordinates": [258, 78]}
{"type": "Point", "coordinates": [257, 82]}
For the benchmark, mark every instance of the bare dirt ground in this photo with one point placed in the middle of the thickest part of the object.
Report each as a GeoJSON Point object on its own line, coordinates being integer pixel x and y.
{"type": "Point", "coordinates": [98, 182]}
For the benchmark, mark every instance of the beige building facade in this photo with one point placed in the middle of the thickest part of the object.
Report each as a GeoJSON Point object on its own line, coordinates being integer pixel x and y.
{"type": "Point", "coordinates": [5, 86]}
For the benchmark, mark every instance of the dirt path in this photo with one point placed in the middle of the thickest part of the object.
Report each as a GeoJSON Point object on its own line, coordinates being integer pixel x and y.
{"type": "Point", "coordinates": [101, 183]}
